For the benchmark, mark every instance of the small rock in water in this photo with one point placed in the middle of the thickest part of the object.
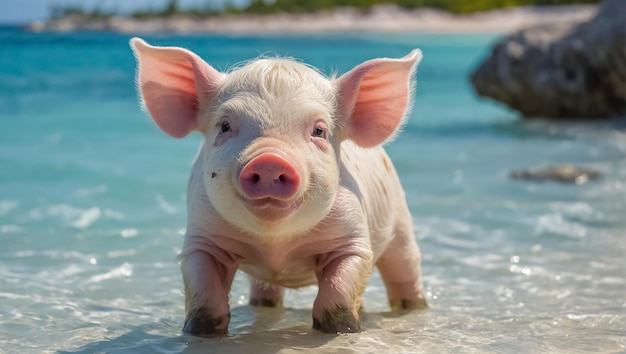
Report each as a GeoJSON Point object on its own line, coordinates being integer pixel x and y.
{"type": "Point", "coordinates": [559, 173]}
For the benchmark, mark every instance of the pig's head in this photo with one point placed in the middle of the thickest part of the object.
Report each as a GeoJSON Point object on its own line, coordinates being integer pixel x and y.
{"type": "Point", "coordinates": [273, 128]}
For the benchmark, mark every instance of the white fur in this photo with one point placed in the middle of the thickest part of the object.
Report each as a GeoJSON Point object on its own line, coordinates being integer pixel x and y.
{"type": "Point", "coordinates": [347, 214]}
{"type": "Point", "coordinates": [347, 190]}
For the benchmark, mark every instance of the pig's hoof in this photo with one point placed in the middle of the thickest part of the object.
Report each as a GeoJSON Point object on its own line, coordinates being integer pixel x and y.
{"type": "Point", "coordinates": [339, 321]}
{"type": "Point", "coordinates": [416, 303]}
{"type": "Point", "coordinates": [413, 304]}
{"type": "Point", "coordinates": [266, 302]}
{"type": "Point", "coordinates": [201, 323]}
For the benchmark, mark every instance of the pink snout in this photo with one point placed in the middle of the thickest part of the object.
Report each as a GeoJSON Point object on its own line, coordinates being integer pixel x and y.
{"type": "Point", "coordinates": [269, 176]}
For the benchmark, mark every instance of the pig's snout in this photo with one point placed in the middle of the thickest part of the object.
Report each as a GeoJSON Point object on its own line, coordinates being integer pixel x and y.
{"type": "Point", "coordinates": [269, 176]}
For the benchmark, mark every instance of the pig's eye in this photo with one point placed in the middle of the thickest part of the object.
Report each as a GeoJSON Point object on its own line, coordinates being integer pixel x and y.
{"type": "Point", "coordinates": [225, 127]}
{"type": "Point", "coordinates": [319, 132]}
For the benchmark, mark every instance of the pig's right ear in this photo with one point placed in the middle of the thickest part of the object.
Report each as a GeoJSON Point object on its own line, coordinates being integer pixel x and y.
{"type": "Point", "coordinates": [172, 82]}
{"type": "Point", "coordinates": [375, 97]}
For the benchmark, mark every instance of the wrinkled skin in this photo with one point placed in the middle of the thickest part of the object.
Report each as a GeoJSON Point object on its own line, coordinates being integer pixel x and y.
{"type": "Point", "coordinates": [291, 184]}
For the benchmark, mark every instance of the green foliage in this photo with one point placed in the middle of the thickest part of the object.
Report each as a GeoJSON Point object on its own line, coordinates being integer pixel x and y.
{"type": "Point", "coordinates": [171, 8]}
{"type": "Point", "coordinates": [57, 11]}
{"type": "Point", "coordinates": [456, 6]}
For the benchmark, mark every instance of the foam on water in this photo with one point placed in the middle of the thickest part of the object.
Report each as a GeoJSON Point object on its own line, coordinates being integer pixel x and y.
{"type": "Point", "coordinates": [92, 211]}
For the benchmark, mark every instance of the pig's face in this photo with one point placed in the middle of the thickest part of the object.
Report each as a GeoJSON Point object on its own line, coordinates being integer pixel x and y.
{"type": "Point", "coordinates": [270, 163]}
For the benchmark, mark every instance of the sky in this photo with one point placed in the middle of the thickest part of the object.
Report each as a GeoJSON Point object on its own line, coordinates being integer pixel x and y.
{"type": "Point", "coordinates": [26, 11]}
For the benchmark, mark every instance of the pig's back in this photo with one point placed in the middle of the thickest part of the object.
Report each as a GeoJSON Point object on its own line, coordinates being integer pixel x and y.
{"type": "Point", "coordinates": [370, 174]}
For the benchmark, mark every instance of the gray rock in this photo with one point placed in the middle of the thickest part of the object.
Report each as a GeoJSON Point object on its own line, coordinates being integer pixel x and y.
{"type": "Point", "coordinates": [559, 173]}
{"type": "Point", "coordinates": [562, 70]}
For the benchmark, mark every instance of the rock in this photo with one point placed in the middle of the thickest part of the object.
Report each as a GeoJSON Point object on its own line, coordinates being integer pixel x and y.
{"type": "Point", "coordinates": [559, 173]}
{"type": "Point", "coordinates": [562, 70]}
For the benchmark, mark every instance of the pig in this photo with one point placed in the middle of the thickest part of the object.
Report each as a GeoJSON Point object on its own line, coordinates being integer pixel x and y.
{"type": "Point", "coordinates": [291, 184]}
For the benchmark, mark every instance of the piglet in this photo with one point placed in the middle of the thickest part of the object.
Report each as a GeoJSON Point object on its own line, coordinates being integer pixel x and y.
{"type": "Point", "coordinates": [290, 185]}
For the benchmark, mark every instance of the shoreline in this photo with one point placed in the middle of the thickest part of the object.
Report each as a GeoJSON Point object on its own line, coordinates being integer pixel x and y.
{"type": "Point", "coordinates": [380, 18]}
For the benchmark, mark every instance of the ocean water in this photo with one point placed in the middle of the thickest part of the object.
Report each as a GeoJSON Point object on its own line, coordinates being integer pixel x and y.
{"type": "Point", "coordinates": [92, 211]}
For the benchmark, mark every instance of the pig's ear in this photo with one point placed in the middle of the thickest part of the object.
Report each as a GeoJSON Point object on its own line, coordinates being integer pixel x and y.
{"type": "Point", "coordinates": [172, 82]}
{"type": "Point", "coordinates": [375, 97]}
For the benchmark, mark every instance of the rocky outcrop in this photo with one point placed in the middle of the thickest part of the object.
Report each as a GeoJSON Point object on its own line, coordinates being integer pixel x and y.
{"type": "Point", "coordinates": [559, 173]}
{"type": "Point", "coordinates": [561, 71]}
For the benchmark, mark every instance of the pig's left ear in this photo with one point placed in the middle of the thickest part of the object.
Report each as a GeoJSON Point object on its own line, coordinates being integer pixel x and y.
{"type": "Point", "coordinates": [374, 97]}
{"type": "Point", "coordinates": [173, 82]}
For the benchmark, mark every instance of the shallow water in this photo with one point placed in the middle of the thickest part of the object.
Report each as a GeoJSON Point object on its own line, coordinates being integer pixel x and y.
{"type": "Point", "coordinates": [92, 211]}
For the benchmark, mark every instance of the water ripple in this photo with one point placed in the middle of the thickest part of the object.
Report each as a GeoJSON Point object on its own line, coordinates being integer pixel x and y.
{"type": "Point", "coordinates": [125, 270]}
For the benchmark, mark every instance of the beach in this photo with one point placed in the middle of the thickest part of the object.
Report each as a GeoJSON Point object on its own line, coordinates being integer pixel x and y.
{"type": "Point", "coordinates": [93, 209]}
{"type": "Point", "coordinates": [380, 18]}
{"type": "Point", "coordinates": [93, 201]}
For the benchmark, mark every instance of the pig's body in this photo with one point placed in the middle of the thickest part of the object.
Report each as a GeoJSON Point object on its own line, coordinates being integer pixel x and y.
{"type": "Point", "coordinates": [369, 207]}
{"type": "Point", "coordinates": [290, 185]}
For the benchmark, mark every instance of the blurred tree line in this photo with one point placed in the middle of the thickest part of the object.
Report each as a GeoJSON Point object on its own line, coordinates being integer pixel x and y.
{"type": "Point", "coordinates": [172, 7]}
{"type": "Point", "coordinates": [455, 6]}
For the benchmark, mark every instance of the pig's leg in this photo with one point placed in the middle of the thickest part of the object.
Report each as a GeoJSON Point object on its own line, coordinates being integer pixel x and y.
{"type": "Point", "coordinates": [263, 294]}
{"type": "Point", "coordinates": [207, 284]}
{"type": "Point", "coordinates": [341, 286]}
{"type": "Point", "coordinates": [400, 268]}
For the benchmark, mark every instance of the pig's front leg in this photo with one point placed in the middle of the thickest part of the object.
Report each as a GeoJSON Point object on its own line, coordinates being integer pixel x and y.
{"type": "Point", "coordinates": [341, 281]}
{"type": "Point", "coordinates": [207, 284]}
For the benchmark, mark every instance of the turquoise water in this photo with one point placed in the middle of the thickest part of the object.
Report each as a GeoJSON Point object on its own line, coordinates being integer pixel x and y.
{"type": "Point", "coordinates": [92, 211]}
